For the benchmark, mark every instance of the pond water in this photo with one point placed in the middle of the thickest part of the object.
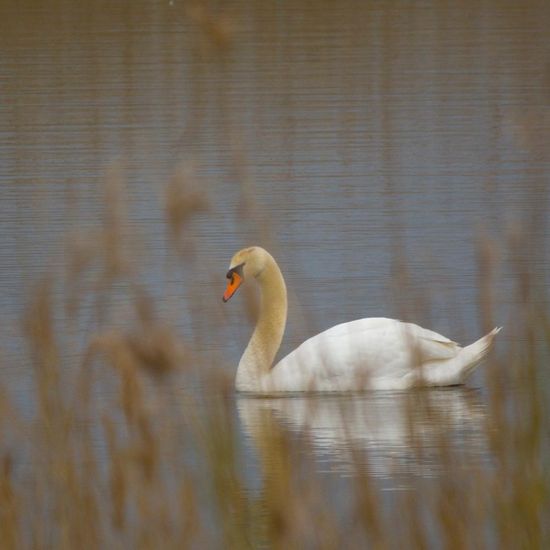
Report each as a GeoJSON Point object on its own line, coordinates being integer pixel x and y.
{"type": "Point", "coordinates": [370, 146]}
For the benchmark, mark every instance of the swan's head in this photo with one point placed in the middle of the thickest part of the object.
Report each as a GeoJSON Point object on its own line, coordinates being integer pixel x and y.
{"type": "Point", "coordinates": [246, 263]}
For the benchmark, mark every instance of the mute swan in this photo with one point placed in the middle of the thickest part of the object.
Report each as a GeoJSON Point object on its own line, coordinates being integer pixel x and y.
{"type": "Point", "coordinates": [374, 353]}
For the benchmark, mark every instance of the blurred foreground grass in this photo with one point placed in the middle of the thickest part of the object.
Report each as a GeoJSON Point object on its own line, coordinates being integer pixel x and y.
{"type": "Point", "coordinates": [115, 456]}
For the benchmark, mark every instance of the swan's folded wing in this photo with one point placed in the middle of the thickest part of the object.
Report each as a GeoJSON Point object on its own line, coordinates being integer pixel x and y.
{"type": "Point", "coordinates": [378, 352]}
{"type": "Point", "coordinates": [336, 358]}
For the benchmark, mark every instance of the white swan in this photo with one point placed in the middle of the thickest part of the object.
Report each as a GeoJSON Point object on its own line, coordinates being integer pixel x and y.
{"type": "Point", "coordinates": [375, 353]}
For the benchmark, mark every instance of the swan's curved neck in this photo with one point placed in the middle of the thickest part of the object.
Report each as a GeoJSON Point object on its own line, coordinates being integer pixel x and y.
{"type": "Point", "coordinates": [258, 356]}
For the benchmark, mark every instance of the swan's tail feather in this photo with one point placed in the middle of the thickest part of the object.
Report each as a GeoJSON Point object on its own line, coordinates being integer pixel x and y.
{"type": "Point", "coordinates": [473, 354]}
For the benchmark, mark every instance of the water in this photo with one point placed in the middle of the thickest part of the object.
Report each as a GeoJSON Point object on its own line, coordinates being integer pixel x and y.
{"type": "Point", "coordinates": [340, 136]}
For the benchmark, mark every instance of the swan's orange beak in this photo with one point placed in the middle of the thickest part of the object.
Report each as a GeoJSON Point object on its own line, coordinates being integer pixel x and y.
{"type": "Point", "coordinates": [234, 283]}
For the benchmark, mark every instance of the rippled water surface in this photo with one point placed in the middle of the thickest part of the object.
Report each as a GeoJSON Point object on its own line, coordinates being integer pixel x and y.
{"type": "Point", "coordinates": [370, 145]}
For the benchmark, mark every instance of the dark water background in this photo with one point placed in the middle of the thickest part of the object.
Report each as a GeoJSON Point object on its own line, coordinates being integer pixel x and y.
{"type": "Point", "coordinates": [351, 138]}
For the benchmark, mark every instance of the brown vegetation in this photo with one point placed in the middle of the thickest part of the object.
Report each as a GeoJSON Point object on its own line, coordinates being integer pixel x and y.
{"type": "Point", "coordinates": [117, 456]}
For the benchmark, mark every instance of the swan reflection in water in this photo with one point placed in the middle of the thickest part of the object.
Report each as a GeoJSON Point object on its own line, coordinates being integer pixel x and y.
{"type": "Point", "coordinates": [417, 433]}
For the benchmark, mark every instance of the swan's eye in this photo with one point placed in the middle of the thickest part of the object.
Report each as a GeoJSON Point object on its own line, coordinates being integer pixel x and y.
{"type": "Point", "coordinates": [237, 269]}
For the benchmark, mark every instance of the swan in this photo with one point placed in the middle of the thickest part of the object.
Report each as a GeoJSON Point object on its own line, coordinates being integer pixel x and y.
{"type": "Point", "coordinates": [371, 353]}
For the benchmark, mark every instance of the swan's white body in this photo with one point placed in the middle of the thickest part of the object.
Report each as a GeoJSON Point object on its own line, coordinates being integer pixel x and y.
{"type": "Point", "coordinates": [378, 353]}
{"type": "Point", "coordinates": [375, 353]}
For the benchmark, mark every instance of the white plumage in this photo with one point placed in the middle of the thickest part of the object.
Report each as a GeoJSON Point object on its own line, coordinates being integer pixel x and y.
{"type": "Point", "coordinates": [376, 353]}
